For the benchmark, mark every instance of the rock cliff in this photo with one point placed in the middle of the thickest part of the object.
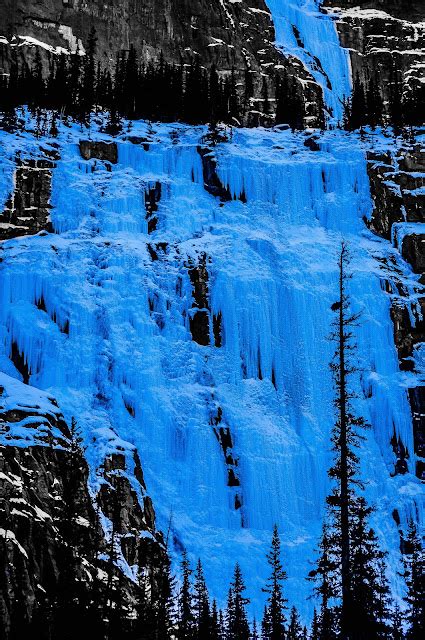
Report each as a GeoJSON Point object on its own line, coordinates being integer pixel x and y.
{"type": "Point", "coordinates": [232, 35]}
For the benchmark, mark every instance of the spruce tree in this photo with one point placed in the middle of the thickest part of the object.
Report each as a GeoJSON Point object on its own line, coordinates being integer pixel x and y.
{"type": "Point", "coordinates": [369, 584]}
{"type": "Point", "coordinates": [186, 622]}
{"type": "Point", "coordinates": [325, 624]}
{"type": "Point", "coordinates": [315, 627]}
{"type": "Point", "coordinates": [254, 634]}
{"type": "Point", "coordinates": [274, 619]}
{"type": "Point", "coordinates": [374, 103]}
{"type": "Point", "coordinates": [349, 567]}
{"type": "Point", "coordinates": [70, 602]}
{"type": "Point", "coordinates": [201, 605]}
{"type": "Point", "coordinates": [397, 632]}
{"type": "Point", "coordinates": [216, 632]}
{"type": "Point", "coordinates": [415, 581]}
{"type": "Point", "coordinates": [236, 615]}
{"type": "Point", "coordinates": [357, 116]}
{"type": "Point", "coordinates": [295, 629]}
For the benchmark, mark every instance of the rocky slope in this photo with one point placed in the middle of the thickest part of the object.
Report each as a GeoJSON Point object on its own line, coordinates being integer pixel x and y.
{"type": "Point", "coordinates": [385, 39]}
{"type": "Point", "coordinates": [229, 34]}
{"type": "Point", "coordinates": [36, 475]}
{"type": "Point", "coordinates": [397, 179]}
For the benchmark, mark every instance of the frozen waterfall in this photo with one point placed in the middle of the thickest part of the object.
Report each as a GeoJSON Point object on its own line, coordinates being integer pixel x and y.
{"type": "Point", "coordinates": [111, 338]}
{"type": "Point", "coordinates": [304, 31]}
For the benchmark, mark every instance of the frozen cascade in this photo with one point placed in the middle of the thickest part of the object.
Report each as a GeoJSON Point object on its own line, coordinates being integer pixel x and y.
{"type": "Point", "coordinates": [303, 31]}
{"type": "Point", "coordinates": [111, 340]}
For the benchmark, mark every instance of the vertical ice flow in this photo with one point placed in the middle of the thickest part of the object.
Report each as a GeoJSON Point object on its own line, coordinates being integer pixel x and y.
{"type": "Point", "coordinates": [303, 31]}
{"type": "Point", "coordinates": [112, 339]}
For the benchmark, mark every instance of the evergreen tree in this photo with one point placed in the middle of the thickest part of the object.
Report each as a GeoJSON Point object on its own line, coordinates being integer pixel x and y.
{"type": "Point", "coordinates": [186, 624]}
{"type": "Point", "coordinates": [70, 603]}
{"type": "Point", "coordinates": [89, 79]}
{"type": "Point", "coordinates": [357, 112]}
{"type": "Point", "coordinates": [254, 634]}
{"type": "Point", "coordinates": [397, 632]}
{"type": "Point", "coordinates": [369, 584]}
{"type": "Point", "coordinates": [274, 618]}
{"type": "Point", "coordinates": [295, 629]}
{"type": "Point", "coordinates": [216, 632]}
{"type": "Point", "coordinates": [282, 93]}
{"type": "Point", "coordinates": [374, 103]}
{"type": "Point", "coordinates": [345, 437]}
{"type": "Point", "coordinates": [265, 96]}
{"type": "Point", "coordinates": [249, 90]}
{"type": "Point", "coordinates": [395, 106]}
{"type": "Point", "coordinates": [415, 581]}
{"type": "Point", "coordinates": [201, 605]}
{"type": "Point", "coordinates": [315, 627]}
{"type": "Point", "coordinates": [350, 565]}
{"type": "Point", "coordinates": [237, 620]}
{"type": "Point", "coordinates": [325, 623]}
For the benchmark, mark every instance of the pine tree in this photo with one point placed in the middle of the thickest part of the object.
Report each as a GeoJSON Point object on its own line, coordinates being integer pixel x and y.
{"type": "Point", "coordinates": [350, 566]}
{"type": "Point", "coordinates": [201, 605]}
{"type": "Point", "coordinates": [186, 623]}
{"type": "Point", "coordinates": [237, 620]}
{"type": "Point", "coordinates": [265, 96]}
{"type": "Point", "coordinates": [374, 103]}
{"type": "Point", "coordinates": [325, 623]}
{"type": "Point", "coordinates": [295, 629]}
{"type": "Point", "coordinates": [70, 602]}
{"type": "Point", "coordinates": [216, 632]}
{"type": "Point", "coordinates": [89, 80]}
{"type": "Point", "coordinates": [357, 115]}
{"type": "Point", "coordinates": [415, 581]}
{"type": "Point", "coordinates": [274, 619]}
{"type": "Point", "coordinates": [395, 98]}
{"type": "Point", "coordinates": [315, 627]}
{"type": "Point", "coordinates": [397, 632]}
{"type": "Point", "coordinates": [345, 437]}
{"type": "Point", "coordinates": [254, 634]}
{"type": "Point", "coordinates": [369, 584]}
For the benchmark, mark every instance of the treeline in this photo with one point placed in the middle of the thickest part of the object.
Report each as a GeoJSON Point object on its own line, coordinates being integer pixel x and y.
{"type": "Point", "coordinates": [76, 86]}
{"type": "Point", "coordinates": [366, 106]}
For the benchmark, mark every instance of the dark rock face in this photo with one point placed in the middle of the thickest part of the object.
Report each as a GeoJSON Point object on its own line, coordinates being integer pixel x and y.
{"type": "Point", "coordinates": [382, 37]}
{"type": "Point", "coordinates": [224, 436]}
{"type": "Point", "coordinates": [199, 320]}
{"type": "Point", "coordinates": [97, 149]}
{"type": "Point", "coordinates": [417, 402]}
{"type": "Point", "coordinates": [396, 184]}
{"type": "Point", "coordinates": [413, 250]}
{"type": "Point", "coordinates": [27, 209]}
{"type": "Point", "coordinates": [34, 473]}
{"type": "Point", "coordinates": [152, 198]}
{"type": "Point", "coordinates": [231, 35]}
{"type": "Point", "coordinates": [212, 182]}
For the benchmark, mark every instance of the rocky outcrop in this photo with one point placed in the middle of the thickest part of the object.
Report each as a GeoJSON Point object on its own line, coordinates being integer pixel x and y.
{"type": "Point", "coordinates": [152, 198]}
{"type": "Point", "coordinates": [224, 437]}
{"type": "Point", "coordinates": [231, 35]}
{"type": "Point", "coordinates": [27, 210]}
{"type": "Point", "coordinates": [201, 318]}
{"type": "Point", "coordinates": [38, 474]}
{"type": "Point", "coordinates": [100, 150]}
{"type": "Point", "coordinates": [384, 39]}
{"type": "Point", "coordinates": [397, 188]}
{"type": "Point", "coordinates": [212, 182]}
